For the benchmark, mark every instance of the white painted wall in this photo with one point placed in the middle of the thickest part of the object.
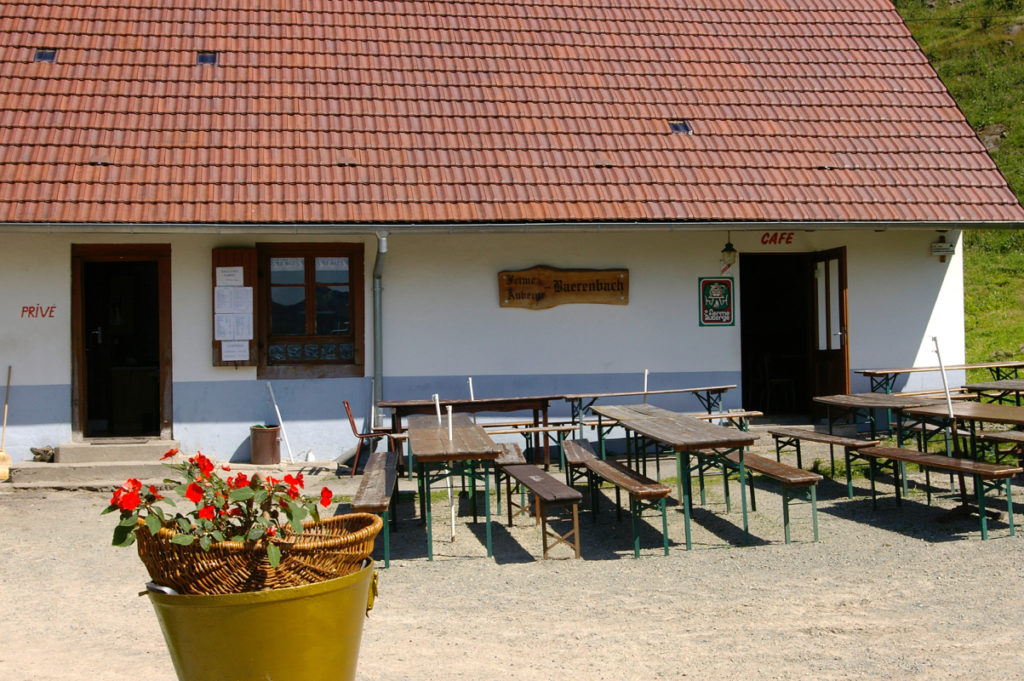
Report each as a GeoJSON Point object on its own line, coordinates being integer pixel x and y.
{"type": "Point", "coordinates": [442, 314]}
{"type": "Point", "coordinates": [442, 319]}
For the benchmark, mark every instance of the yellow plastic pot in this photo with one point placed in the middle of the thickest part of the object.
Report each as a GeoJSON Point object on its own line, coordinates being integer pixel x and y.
{"type": "Point", "coordinates": [304, 633]}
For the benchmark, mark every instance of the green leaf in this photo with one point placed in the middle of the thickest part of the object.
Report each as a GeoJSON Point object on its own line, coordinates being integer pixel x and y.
{"type": "Point", "coordinates": [184, 524]}
{"type": "Point", "coordinates": [205, 542]}
{"type": "Point", "coordinates": [256, 532]}
{"type": "Point", "coordinates": [183, 539]}
{"type": "Point", "coordinates": [153, 523]}
{"type": "Point", "coordinates": [241, 494]}
{"type": "Point", "coordinates": [273, 555]}
{"type": "Point", "coordinates": [124, 535]}
{"type": "Point", "coordinates": [108, 509]}
{"type": "Point", "coordinates": [217, 535]}
{"type": "Point", "coordinates": [259, 496]}
{"type": "Point", "coordinates": [129, 519]}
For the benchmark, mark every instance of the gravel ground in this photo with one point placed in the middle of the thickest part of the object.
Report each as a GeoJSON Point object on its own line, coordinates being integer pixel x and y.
{"type": "Point", "coordinates": [886, 593]}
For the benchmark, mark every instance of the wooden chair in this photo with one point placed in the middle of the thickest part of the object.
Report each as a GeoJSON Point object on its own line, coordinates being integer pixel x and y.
{"type": "Point", "coordinates": [372, 436]}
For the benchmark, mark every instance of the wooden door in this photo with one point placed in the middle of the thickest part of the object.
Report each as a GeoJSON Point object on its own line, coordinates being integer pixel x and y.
{"type": "Point", "coordinates": [830, 354]}
{"type": "Point", "coordinates": [121, 358]}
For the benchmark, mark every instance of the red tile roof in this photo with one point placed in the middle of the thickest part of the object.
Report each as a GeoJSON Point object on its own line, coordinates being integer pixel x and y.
{"type": "Point", "coordinates": [381, 111]}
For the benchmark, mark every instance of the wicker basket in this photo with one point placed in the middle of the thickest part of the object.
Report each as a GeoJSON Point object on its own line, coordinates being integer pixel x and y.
{"type": "Point", "coordinates": [330, 548]}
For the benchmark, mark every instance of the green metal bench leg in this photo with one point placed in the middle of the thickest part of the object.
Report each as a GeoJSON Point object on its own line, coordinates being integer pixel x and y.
{"type": "Point", "coordinates": [849, 476]}
{"type": "Point", "coordinates": [387, 539]}
{"type": "Point", "coordinates": [750, 486]}
{"type": "Point", "coordinates": [814, 510]}
{"type": "Point", "coordinates": [634, 512]}
{"type": "Point", "coordinates": [785, 511]}
{"type": "Point", "coordinates": [1009, 504]}
{"type": "Point", "coordinates": [725, 490]}
{"type": "Point", "coordinates": [903, 476]}
{"type": "Point", "coordinates": [872, 466]}
{"type": "Point", "coordinates": [687, 491]}
{"type": "Point", "coordinates": [979, 489]}
{"type": "Point", "coordinates": [662, 506]}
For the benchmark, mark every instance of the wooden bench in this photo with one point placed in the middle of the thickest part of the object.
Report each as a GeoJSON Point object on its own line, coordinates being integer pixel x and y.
{"type": "Point", "coordinates": [796, 483]}
{"type": "Point", "coordinates": [924, 432]}
{"type": "Point", "coordinates": [791, 437]}
{"type": "Point", "coordinates": [510, 455]}
{"type": "Point", "coordinates": [547, 493]}
{"type": "Point", "coordinates": [992, 439]}
{"type": "Point", "coordinates": [986, 476]}
{"type": "Point", "coordinates": [560, 432]}
{"type": "Point", "coordinates": [644, 493]}
{"type": "Point", "coordinates": [376, 494]}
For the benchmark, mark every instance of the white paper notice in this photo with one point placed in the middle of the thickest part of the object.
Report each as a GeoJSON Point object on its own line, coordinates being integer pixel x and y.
{"type": "Point", "coordinates": [242, 326]}
{"type": "Point", "coordinates": [230, 276]}
{"type": "Point", "coordinates": [232, 300]}
{"type": "Point", "coordinates": [234, 351]}
{"type": "Point", "coordinates": [228, 327]}
{"type": "Point", "coordinates": [223, 327]}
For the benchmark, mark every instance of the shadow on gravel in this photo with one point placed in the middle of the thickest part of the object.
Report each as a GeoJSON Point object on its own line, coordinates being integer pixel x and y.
{"type": "Point", "coordinates": [914, 518]}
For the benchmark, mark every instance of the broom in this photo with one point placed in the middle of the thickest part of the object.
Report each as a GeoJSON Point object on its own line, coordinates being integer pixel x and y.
{"type": "Point", "coordinates": [5, 458]}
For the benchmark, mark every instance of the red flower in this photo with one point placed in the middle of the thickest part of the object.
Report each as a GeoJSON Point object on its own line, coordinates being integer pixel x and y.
{"type": "Point", "coordinates": [206, 512]}
{"type": "Point", "coordinates": [194, 493]}
{"type": "Point", "coordinates": [326, 497]}
{"type": "Point", "coordinates": [271, 531]}
{"type": "Point", "coordinates": [272, 481]}
{"type": "Point", "coordinates": [156, 495]}
{"type": "Point", "coordinates": [204, 464]}
{"type": "Point", "coordinates": [226, 467]}
{"type": "Point", "coordinates": [129, 502]}
{"type": "Point", "coordinates": [295, 482]}
{"type": "Point", "coordinates": [238, 481]}
{"type": "Point", "coordinates": [169, 454]}
{"type": "Point", "coordinates": [131, 485]}
{"type": "Point", "coordinates": [293, 492]}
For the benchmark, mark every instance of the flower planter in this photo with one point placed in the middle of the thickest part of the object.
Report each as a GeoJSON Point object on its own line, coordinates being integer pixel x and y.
{"type": "Point", "coordinates": [304, 633]}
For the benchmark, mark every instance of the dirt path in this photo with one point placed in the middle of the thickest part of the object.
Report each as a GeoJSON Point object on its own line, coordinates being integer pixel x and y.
{"type": "Point", "coordinates": [891, 593]}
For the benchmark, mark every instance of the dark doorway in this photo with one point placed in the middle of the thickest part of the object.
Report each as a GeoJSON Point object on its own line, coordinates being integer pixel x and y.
{"type": "Point", "coordinates": [776, 298]}
{"type": "Point", "coordinates": [121, 323]}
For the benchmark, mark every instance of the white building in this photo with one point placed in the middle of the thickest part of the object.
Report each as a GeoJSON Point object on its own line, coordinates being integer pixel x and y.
{"type": "Point", "coordinates": [147, 153]}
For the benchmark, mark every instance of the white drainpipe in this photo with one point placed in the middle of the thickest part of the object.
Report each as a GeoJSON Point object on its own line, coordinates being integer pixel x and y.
{"type": "Point", "coordinates": [378, 327]}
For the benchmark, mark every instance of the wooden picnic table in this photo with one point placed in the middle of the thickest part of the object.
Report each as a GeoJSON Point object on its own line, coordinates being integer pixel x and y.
{"type": "Point", "coordinates": [971, 413]}
{"type": "Point", "coordinates": [710, 397]}
{"type": "Point", "coordinates": [1000, 391]}
{"type": "Point", "coordinates": [683, 435]}
{"type": "Point", "coordinates": [885, 379]}
{"type": "Point", "coordinates": [866, 403]}
{"type": "Point", "coordinates": [469, 451]}
{"type": "Point", "coordinates": [538, 404]}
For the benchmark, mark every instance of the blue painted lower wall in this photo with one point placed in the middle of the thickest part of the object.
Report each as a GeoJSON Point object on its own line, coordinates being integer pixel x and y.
{"type": "Point", "coordinates": [215, 416]}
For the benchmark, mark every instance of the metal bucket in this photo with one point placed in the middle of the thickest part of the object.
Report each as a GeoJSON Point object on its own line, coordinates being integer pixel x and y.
{"type": "Point", "coordinates": [304, 633]}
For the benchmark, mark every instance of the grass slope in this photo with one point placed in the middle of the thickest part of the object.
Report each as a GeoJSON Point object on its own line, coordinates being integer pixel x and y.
{"type": "Point", "coordinates": [977, 49]}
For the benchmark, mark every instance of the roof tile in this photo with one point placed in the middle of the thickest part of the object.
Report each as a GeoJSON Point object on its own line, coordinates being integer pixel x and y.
{"type": "Point", "coordinates": [484, 111]}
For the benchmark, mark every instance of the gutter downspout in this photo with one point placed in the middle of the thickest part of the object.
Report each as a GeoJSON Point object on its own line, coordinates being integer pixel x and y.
{"type": "Point", "coordinates": [378, 327]}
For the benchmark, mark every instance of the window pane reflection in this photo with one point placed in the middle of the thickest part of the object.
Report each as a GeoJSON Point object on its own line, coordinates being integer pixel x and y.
{"type": "Point", "coordinates": [332, 310]}
{"type": "Point", "coordinates": [287, 311]}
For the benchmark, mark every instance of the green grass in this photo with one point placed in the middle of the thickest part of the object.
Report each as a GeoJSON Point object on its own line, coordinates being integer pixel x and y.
{"type": "Point", "coordinates": [977, 49]}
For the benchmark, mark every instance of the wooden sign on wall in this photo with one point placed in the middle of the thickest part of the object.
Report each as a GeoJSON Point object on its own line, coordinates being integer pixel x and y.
{"type": "Point", "coordinates": [541, 287]}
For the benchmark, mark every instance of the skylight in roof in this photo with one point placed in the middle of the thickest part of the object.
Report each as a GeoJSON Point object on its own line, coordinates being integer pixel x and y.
{"type": "Point", "coordinates": [46, 55]}
{"type": "Point", "coordinates": [206, 57]}
{"type": "Point", "coordinates": [681, 127]}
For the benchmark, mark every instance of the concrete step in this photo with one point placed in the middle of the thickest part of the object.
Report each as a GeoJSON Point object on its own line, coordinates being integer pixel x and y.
{"type": "Point", "coordinates": [87, 475]}
{"type": "Point", "coordinates": [108, 451]}
{"type": "Point", "coordinates": [106, 476]}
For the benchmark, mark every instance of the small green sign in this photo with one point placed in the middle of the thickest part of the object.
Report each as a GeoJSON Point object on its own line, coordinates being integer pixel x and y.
{"type": "Point", "coordinates": [716, 301]}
